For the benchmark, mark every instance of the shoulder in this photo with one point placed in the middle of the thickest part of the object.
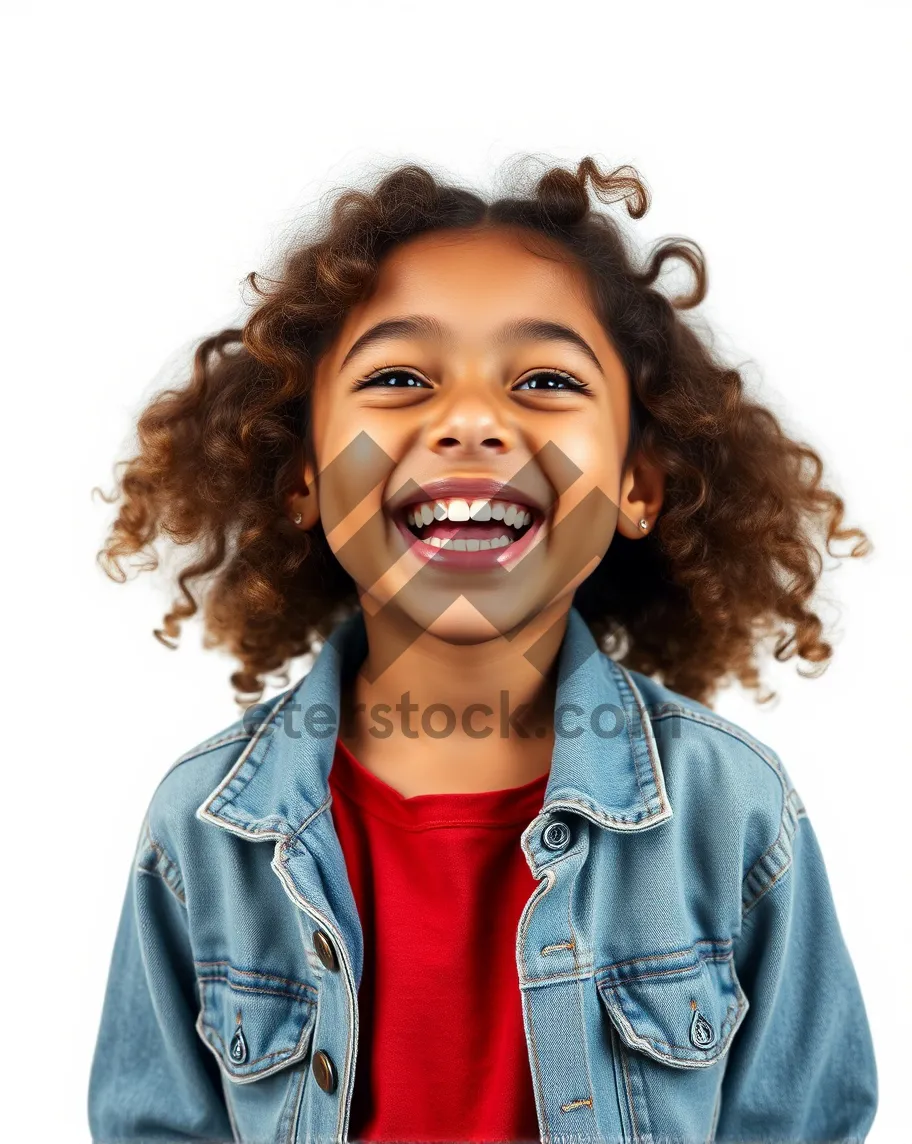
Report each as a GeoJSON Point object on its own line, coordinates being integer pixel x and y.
{"type": "Point", "coordinates": [714, 767]}
{"type": "Point", "coordinates": [690, 729]}
{"type": "Point", "coordinates": [170, 822]}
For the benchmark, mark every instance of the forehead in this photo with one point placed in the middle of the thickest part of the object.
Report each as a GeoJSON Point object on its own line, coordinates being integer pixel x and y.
{"type": "Point", "coordinates": [475, 280]}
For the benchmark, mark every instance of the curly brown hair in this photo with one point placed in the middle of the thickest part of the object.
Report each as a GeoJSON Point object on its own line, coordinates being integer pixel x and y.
{"type": "Point", "coordinates": [734, 558]}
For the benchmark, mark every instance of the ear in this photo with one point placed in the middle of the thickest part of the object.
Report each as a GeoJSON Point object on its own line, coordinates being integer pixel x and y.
{"type": "Point", "coordinates": [642, 492]}
{"type": "Point", "coordinates": [302, 501]}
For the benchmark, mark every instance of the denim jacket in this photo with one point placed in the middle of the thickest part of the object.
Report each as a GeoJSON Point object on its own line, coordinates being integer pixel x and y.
{"type": "Point", "coordinates": [681, 968]}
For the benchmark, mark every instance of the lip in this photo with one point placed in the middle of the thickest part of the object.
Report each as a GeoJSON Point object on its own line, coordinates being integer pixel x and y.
{"type": "Point", "coordinates": [458, 560]}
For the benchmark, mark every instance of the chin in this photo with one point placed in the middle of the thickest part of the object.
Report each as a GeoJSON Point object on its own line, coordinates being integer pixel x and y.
{"type": "Point", "coordinates": [462, 624]}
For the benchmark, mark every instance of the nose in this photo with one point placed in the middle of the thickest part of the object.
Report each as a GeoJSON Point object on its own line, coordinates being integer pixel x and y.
{"type": "Point", "coordinates": [472, 425]}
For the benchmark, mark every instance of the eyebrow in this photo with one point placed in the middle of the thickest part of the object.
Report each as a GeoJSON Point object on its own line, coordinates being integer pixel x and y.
{"type": "Point", "coordinates": [428, 328]}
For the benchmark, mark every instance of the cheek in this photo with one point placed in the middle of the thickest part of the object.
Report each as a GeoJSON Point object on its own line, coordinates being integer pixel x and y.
{"type": "Point", "coordinates": [353, 467]}
{"type": "Point", "coordinates": [585, 472]}
{"type": "Point", "coordinates": [586, 514]}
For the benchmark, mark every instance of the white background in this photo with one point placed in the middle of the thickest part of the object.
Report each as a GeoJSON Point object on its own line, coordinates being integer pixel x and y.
{"type": "Point", "coordinates": [156, 154]}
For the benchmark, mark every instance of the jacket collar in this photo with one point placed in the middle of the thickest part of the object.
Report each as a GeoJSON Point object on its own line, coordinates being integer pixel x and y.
{"type": "Point", "coordinates": [605, 763]}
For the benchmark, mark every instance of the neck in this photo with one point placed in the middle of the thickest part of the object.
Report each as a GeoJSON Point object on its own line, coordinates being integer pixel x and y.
{"type": "Point", "coordinates": [433, 716]}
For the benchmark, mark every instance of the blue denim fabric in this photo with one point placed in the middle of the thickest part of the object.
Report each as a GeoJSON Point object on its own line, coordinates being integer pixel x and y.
{"type": "Point", "coordinates": [681, 967]}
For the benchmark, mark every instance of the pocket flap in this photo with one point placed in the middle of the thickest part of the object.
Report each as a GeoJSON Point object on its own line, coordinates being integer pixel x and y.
{"type": "Point", "coordinates": [254, 1023]}
{"type": "Point", "coordinates": [681, 1008]}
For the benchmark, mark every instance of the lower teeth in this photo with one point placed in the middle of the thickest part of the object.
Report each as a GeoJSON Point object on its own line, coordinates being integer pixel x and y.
{"type": "Point", "coordinates": [461, 544]}
{"type": "Point", "coordinates": [469, 545]}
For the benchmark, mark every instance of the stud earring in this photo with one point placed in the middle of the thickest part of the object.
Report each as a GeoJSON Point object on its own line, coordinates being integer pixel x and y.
{"type": "Point", "coordinates": [297, 518]}
{"type": "Point", "coordinates": [644, 524]}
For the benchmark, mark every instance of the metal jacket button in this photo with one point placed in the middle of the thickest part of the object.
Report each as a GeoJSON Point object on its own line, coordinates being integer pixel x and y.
{"type": "Point", "coordinates": [324, 949]}
{"type": "Point", "coordinates": [556, 835]}
{"type": "Point", "coordinates": [324, 1071]}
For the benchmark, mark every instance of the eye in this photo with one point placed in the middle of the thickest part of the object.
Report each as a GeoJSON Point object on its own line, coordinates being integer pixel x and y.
{"type": "Point", "coordinates": [392, 377]}
{"type": "Point", "coordinates": [553, 379]}
{"type": "Point", "coordinates": [395, 377]}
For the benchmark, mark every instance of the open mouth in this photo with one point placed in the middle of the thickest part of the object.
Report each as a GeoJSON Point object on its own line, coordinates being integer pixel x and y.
{"type": "Point", "coordinates": [469, 526]}
{"type": "Point", "coordinates": [491, 529]}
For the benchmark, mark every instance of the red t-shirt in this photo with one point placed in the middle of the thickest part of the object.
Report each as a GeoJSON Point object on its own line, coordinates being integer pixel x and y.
{"type": "Point", "coordinates": [440, 881]}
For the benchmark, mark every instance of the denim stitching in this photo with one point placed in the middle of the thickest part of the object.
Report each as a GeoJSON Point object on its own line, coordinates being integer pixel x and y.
{"type": "Point", "coordinates": [727, 1027]}
{"type": "Point", "coordinates": [280, 865]}
{"type": "Point", "coordinates": [163, 865]}
{"type": "Point", "coordinates": [576, 966]}
{"type": "Point", "coordinates": [630, 1102]}
{"type": "Point", "coordinates": [520, 942]}
{"type": "Point", "coordinates": [721, 942]}
{"type": "Point", "coordinates": [682, 971]}
{"type": "Point", "coordinates": [207, 745]}
{"type": "Point", "coordinates": [753, 885]}
{"type": "Point", "coordinates": [157, 874]}
{"type": "Point", "coordinates": [736, 732]}
{"type": "Point", "coordinates": [588, 1100]}
{"type": "Point", "coordinates": [623, 681]}
{"type": "Point", "coordinates": [258, 975]}
{"type": "Point", "coordinates": [725, 1032]}
{"type": "Point", "coordinates": [566, 975]}
{"type": "Point", "coordinates": [283, 1054]}
{"type": "Point", "coordinates": [573, 942]}
{"type": "Point", "coordinates": [538, 1076]}
{"type": "Point", "coordinates": [221, 792]}
{"type": "Point", "coordinates": [549, 874]}
{"type": "Point", "coordinates": [599, 817]}
{"type": "Point", "coordinates": [555, 946]}
{"type": "Point", "coordinates": [649, 739]}
{"type": "Point", "coordinates": [775, 868]}
{"type": "Point", "coordinates": [211, 744]}
{"type": "Point", "coordinates": [293, 839]}
{"type": "Point", "coordinates": [582, 973]}
{"type": "Point", "coordinates": [240, 987]}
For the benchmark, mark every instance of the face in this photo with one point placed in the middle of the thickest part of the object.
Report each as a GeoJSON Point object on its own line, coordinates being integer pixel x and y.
{"type": "Point", "coordinates": [467, 459]}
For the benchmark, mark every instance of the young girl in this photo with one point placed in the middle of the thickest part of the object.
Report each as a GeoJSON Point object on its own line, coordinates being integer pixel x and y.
{"type": "Point", "coordinates": [469, 454]}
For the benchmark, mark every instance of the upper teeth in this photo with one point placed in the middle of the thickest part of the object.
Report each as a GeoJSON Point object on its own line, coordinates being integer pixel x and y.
{"type": "Point", "coordinates": [458, 509]}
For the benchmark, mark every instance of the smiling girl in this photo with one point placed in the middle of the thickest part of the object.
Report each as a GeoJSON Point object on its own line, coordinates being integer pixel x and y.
{"type": "Point", "coordinates": [525, 883]}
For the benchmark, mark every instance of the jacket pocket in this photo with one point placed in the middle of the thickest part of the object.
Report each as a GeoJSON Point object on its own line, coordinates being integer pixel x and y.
{"type": "Point", "coordinates": [681, 1008]}
{"type": "Point", "coordinates": [254, 1023]}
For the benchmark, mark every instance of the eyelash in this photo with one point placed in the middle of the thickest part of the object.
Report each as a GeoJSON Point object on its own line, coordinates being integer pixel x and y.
{"type": "Point", "coordinates": [575, 384]}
